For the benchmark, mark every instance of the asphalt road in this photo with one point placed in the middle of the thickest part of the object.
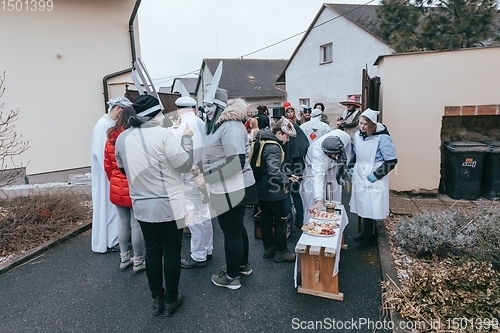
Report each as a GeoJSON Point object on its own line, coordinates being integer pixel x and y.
{"type": "Point", "coordinates": [71, 289]}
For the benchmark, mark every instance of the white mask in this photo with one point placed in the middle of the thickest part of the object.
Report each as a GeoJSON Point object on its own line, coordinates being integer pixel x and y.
{"type": "Point", "coordinates": [210, 110]}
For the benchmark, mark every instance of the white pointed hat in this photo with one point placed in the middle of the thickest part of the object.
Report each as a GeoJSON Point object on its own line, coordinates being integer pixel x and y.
{"type": "Point", "coordinates": [371, 114]}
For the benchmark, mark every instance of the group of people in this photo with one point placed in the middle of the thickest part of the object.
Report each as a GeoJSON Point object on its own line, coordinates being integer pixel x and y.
{"type": "Point", "coordinates": [144, 176]}
{"type": "Point", "coordinates": [358, 150]}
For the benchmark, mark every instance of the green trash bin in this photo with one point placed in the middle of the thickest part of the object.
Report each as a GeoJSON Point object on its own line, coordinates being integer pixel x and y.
{"type": "Point", "coordinates": [490, 184]}
{"type": "Point", "coordinates": [464, 169]}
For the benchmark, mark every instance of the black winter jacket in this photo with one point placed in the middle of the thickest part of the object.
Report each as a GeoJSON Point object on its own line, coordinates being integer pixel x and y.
{"type": "Point", "coordinates": [272, 186]}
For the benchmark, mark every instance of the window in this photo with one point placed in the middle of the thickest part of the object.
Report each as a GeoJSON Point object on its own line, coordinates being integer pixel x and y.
{"type": "Point", "coordinates": [326, 54]}
{"type": "Point", "coordinates": [304, 101]}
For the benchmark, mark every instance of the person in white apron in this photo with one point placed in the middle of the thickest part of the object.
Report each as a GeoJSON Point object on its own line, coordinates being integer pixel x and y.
{"type": "Point", "coordinates": [374, 157]}
{"type": "Point", "coordinates": [325, 163]}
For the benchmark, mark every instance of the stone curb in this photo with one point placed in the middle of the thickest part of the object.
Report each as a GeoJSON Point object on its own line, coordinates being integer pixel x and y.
{"type": "Point", "coordinates": [388, 272]}
{"type": "Point", "coordinates": [27, 256]}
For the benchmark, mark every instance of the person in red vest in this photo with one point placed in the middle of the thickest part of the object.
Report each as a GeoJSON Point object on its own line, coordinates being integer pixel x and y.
{"type": "Point", "coordinates": [119, 195]}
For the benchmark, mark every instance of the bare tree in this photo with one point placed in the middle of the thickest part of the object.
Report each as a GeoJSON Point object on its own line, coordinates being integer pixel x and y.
{"type": "Point", "coordinates": [11, 144]}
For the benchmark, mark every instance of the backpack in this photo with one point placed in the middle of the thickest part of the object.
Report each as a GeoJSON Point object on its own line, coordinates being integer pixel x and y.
{"type": "Point", "coordinates": [255, 157]}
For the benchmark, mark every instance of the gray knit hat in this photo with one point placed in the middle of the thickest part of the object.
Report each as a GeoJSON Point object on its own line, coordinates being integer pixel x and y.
{"type": "Point", "coordinates": [333, 145]}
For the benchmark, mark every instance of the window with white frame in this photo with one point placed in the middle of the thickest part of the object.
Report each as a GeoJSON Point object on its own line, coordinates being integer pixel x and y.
{"type": "Point", "coordinates": [326, 53]}
{"type": "Point", "coordinates": [304, 101]}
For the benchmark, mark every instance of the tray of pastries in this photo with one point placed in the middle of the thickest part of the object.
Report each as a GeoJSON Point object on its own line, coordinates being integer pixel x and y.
{"type": "Point", "coordinates": [325, 215]}
{"type": "Point", "coordinates": [317, 228]}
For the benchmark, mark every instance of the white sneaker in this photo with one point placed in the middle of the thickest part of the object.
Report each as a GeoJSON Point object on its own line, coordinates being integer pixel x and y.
{"type": "Point", "coordinates": [139, 264]}
{"type": "Point", "coordinates": [125, 260]}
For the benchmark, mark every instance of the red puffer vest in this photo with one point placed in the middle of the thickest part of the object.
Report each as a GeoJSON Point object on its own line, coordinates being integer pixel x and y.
{"type": "Point", "coordinates": [118, 185]}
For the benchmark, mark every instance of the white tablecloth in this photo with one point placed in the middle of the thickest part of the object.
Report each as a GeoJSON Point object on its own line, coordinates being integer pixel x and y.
{"type": "Point", "coordinates": [333, 242]}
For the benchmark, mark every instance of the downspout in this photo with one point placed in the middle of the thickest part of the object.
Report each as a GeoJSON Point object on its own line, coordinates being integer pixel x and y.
{"type": "Point", "coordinates": [134, 57]}
{"type": "Point", "coordinates": [276, 87]}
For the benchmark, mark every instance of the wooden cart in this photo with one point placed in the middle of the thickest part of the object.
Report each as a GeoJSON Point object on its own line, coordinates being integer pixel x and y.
{"type": "Point", "coordinates": [316, 270]}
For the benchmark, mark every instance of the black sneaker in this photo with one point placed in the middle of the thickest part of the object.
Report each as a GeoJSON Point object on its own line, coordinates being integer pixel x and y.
{"type": "Point", "coordinates": [171, 307]}
{"type": "Point", "coordinates": [269, 252]}
{"type": "Point", "coordinates": [191, 263]}
{"type": "Point", "coordinates": [158, 305]}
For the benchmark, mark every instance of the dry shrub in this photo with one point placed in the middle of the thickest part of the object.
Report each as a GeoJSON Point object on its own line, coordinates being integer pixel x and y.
{"type": "Point", "coordinates": [439, 292]}
{"type": "Point", "coordinates": [452, 268]}
{"type": "Point", "coordinates": [472, 234]}
{"type": "Point", "coordinates": [29, 221]}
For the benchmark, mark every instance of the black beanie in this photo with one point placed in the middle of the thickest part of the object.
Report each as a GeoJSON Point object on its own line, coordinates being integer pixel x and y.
{"type": "Point", "coordinates": [147, 103]}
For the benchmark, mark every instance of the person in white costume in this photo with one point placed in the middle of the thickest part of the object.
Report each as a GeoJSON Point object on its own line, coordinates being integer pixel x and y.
{"type": "Point", "coordinates": [105, 220]}
{"type": "Point", "coordinates": [315, 128]}
{"type": "Point", "coordinates": [201, 226]}
{"type": "Point", "coordinates": [374, 157]}
{"type": "Point", "coordinates": [325, 161]}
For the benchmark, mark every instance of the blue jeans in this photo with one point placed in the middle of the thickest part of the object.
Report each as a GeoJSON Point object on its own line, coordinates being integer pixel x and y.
{"type": "Point", "coordinates": [163, 243]}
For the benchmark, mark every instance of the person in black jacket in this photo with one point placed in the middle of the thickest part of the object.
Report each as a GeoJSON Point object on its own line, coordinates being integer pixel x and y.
{"type": "Point", "coordinates": [271, 190]}
{"type": "Point", "coordinates": [262, 116]}
{"type": "Point", "coordinates": [295, 152]}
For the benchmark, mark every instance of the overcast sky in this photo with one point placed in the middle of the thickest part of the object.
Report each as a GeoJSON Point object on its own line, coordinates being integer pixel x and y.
{"type": "Point", "coordinates": [175, 36]}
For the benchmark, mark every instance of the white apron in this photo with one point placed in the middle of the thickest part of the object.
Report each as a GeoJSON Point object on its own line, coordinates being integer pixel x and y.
{"type": "Point", "coordinates": [316, 176]}
{"type": "Point", "coordinates": [368, 200]}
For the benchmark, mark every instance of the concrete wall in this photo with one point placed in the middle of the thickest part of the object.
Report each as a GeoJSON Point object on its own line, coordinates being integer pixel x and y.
{"type": "Point", "coordinates": [417, 88]}
{"type": "Point", "coordinates": [55, 63]}
{"type": "Point", "coordinates": [330, 83]}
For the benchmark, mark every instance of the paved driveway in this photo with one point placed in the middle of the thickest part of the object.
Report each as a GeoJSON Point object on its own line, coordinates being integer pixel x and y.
{"type": "Point", "coordinates": [71, 289]}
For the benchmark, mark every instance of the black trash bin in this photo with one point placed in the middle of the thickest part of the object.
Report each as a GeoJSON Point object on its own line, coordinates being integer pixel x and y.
{"type": "Point", "coordinates": [464, 169]}
{"type": "Point", "coordinates": [490, 184]}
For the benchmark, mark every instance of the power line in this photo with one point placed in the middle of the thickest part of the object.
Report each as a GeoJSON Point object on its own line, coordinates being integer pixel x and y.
{"type": "Point", "coordinates": [167, 78]}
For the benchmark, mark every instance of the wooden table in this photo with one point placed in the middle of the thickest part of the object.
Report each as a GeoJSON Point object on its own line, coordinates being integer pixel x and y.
{"type": "Point", "coordinates": [318, 260]}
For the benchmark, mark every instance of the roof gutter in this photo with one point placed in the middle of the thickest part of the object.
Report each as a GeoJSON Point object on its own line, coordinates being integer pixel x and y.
{"type": "Point", "coordinates": [134, 57]}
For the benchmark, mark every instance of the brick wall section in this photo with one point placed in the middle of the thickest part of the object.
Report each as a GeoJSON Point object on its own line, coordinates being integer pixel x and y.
{"type": "Point", "coordinates": [472, 110]}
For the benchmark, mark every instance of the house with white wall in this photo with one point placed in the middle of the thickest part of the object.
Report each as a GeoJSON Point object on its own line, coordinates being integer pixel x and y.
{"type": "Point", "coordinates": [327, 64]}
{"type": "Point", "coordinates": [60, 67]}
{"type": "Point", "coordinates": [430, 98]}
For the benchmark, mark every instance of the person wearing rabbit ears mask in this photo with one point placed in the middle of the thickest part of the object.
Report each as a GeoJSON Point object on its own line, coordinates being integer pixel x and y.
{"type": "Point", "coordinates": [229, 177]}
